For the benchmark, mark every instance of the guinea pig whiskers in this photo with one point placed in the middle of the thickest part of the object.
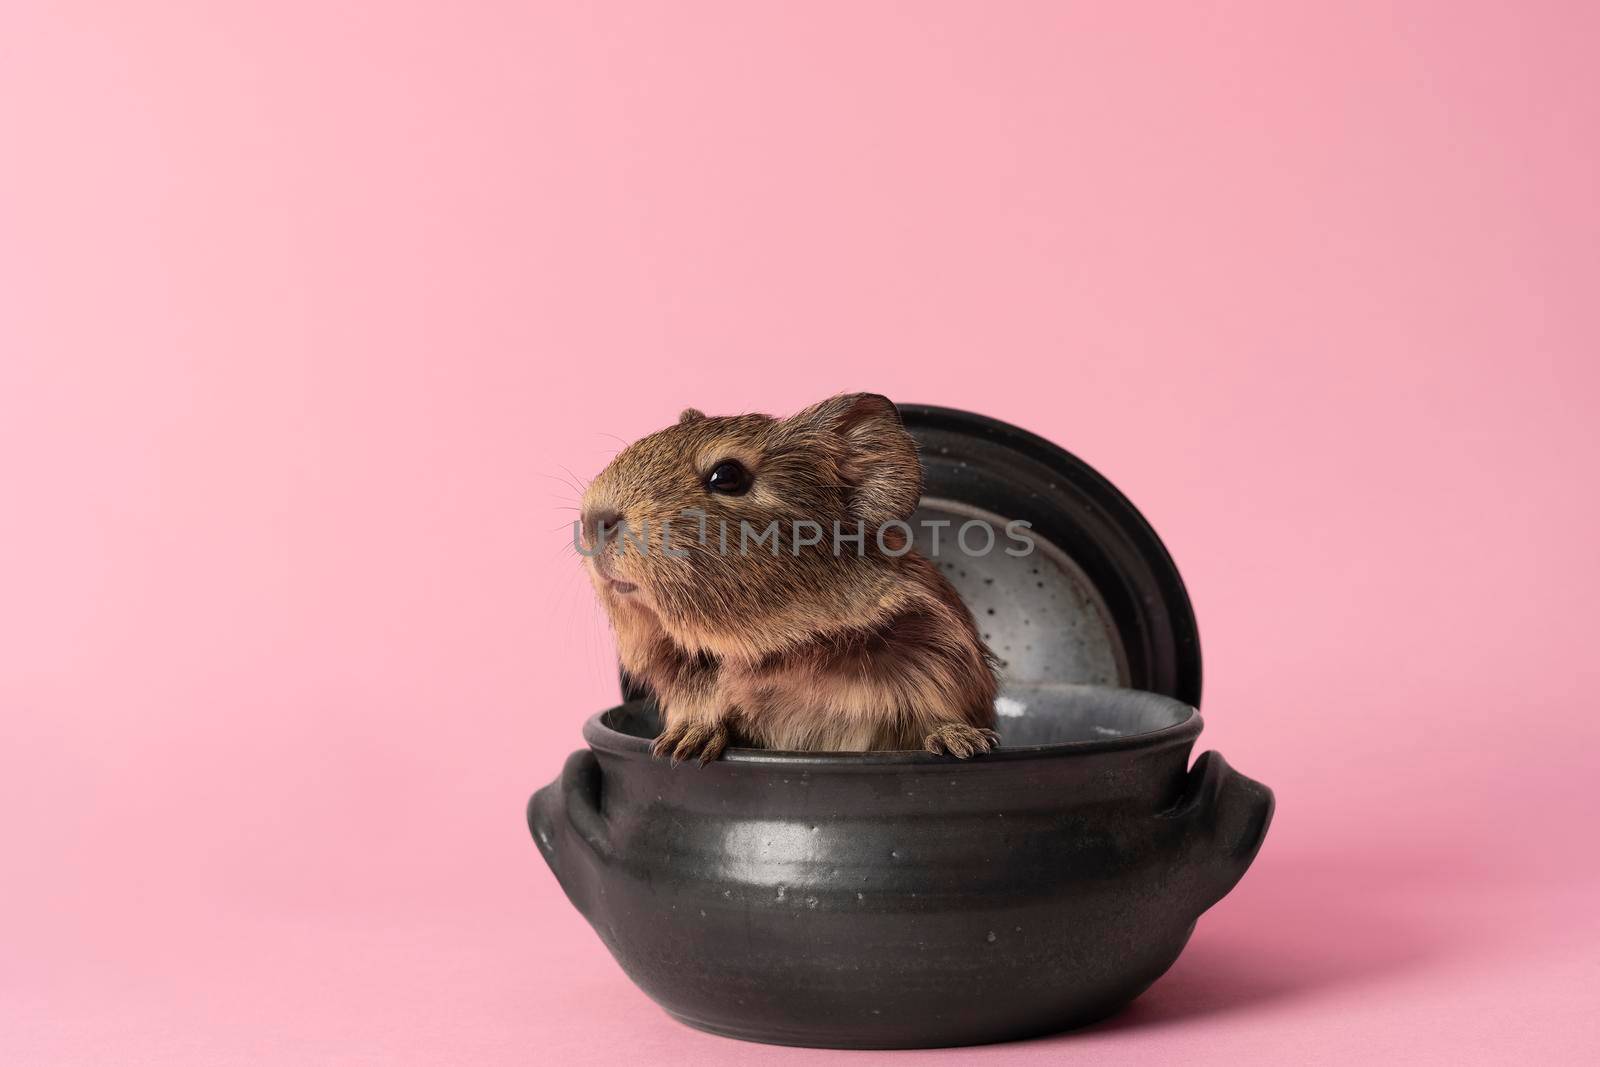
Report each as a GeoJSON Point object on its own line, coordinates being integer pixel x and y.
{"type": "Point", "coordinates": [568, 482]}
{"type": "Point", "coordinates": [583, 483]}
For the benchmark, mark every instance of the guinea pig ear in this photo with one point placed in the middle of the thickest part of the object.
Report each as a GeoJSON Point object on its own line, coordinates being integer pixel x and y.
{"type": "Point", "coordinates": [879, 458]}
{"type": "Point", "coordinates": [689, 415]}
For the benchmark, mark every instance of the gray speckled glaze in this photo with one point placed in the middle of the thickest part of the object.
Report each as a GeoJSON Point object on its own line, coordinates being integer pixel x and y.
{"type": "Point", "coordinates": [897, 900]}
{"type": "Point", "coordinates": [1039, 613]}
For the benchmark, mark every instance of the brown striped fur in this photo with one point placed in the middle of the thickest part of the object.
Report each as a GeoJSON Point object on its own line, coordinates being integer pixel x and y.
{"type": "Point", "coordinates": [814, 651]}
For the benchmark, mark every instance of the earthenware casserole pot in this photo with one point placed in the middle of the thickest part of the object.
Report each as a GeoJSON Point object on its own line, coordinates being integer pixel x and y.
{"type": "Point", "coordinates": [899, 899]}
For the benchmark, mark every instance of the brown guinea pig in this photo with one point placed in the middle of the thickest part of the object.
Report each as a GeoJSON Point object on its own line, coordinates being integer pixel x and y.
{"type": "Point", "coordinates": [761, 583]}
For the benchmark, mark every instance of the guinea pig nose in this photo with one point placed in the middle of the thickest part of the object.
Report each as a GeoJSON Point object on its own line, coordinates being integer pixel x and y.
{"type": "Point", "coordinates": [601, 525]}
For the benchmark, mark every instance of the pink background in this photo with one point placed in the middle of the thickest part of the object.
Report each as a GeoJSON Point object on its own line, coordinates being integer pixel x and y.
{"type": "Point", "coordinates": [307, 310]}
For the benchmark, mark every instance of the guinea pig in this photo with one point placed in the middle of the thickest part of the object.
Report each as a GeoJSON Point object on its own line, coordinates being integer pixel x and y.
{"type": "Point", "coordinates": [760, 579]}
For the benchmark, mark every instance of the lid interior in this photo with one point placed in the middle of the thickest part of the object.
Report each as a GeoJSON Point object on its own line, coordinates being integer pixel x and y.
{"type": "Point", "coordinates": [1039, 614]}
{"type": "Point", "coordinates": [1098, 601]}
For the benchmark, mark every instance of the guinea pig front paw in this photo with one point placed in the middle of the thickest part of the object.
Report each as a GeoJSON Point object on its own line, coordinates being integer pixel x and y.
{"type": "Point", "coordinates": [960, 740]}
{"type": "Point", "coordinates": [680, 741]}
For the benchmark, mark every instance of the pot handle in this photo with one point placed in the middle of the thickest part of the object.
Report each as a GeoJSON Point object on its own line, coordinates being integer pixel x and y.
{"type": "Point", "coordinates": [1226, 816]}
{"type": "Point", "coordinates": [574, 799]}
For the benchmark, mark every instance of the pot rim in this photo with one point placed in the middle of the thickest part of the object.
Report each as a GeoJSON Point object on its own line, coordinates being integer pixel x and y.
{"type": "Point", "coordinates": [603, 738]}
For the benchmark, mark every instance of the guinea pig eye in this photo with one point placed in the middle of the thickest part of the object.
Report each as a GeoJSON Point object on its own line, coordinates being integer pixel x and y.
{"type": "Point", "coordinates": [729, 477]}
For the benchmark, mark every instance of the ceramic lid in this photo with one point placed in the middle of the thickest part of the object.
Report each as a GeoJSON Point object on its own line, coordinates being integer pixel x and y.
{"type": "Point", "coordinates": [1098, 601]}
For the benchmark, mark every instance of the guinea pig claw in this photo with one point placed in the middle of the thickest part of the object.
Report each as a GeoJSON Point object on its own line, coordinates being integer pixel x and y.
{"type": "Point", "coordinates": [668, 740]}
{"type": "Point", "coordinates": [693, 741]}
{"type": "Point", "coordinates": [960, 740]}
{"type": "Point", "coordinates": [714, 744]}
{"type": "Point", "coordinates": [701, 741]}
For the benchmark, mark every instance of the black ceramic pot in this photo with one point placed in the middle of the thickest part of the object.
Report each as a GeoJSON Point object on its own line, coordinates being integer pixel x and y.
{"type": "Point", "coordinates": [898, 899]}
